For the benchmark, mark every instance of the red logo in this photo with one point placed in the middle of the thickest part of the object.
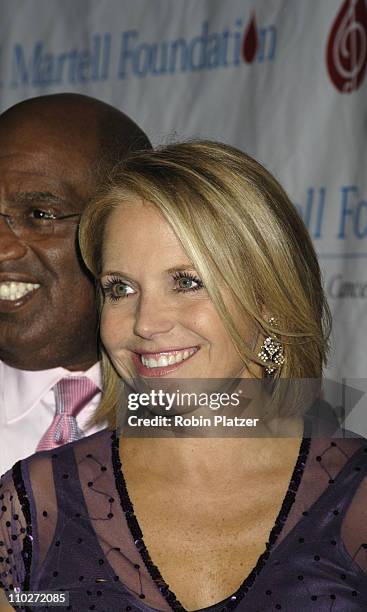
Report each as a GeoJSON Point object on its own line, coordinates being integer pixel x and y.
{"type": "Point", "coordinates": [346, 53]}
{"type": "Point", "coordinates": [250, 41]}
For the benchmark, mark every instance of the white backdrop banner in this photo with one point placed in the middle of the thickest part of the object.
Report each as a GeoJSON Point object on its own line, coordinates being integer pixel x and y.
{"type": "Point", "coordinates": [281, 79]}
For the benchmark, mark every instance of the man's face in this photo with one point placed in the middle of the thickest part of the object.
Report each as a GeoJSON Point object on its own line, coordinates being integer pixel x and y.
{"type": "Point", "coordinates": [47, 308]}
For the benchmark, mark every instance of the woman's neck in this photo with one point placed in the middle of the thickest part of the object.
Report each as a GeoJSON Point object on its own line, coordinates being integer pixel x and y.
{"type": "Point", "coordinates": [207, 461]}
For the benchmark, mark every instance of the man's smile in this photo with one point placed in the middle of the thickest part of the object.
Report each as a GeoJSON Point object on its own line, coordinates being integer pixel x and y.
{"type": "Point", "coordinates": [15, 290]}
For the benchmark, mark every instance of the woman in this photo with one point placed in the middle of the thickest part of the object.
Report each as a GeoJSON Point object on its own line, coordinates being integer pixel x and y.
{"type": "Point", "coordinates": [205, 273]}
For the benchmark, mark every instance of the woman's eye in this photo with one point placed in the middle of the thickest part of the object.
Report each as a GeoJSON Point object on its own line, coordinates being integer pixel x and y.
{"type": "Point", "coordinates": [116, 290]}
{"type": "Point", "coordinates": [187, 282]}
{"type": "Point", "coordinates": [120, 290]}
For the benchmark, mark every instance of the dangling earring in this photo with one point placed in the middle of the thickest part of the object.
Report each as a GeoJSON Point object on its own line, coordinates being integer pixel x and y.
{"type": "Point", "coordinates": [271, 351]}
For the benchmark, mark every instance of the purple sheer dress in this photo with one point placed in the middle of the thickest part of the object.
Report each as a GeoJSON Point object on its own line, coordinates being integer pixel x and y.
{"type": "Point", "coordinates": [66, 523]}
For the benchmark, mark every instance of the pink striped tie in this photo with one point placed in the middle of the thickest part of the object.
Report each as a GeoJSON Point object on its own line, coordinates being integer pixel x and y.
{"type": "Point", "coordinates": [71, 395]}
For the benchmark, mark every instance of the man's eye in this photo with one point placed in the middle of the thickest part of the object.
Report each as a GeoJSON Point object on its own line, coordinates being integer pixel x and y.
{"type": "Point", "coordinates": [38, 214]}
{"type": "Point", "coordinates": [114, 290]}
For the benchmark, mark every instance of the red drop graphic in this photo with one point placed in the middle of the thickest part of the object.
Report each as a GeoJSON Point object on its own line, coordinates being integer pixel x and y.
{"type": "Point", "coordinates": [346, 52]}
{"type": "Point", "coordinates": [250, 41]}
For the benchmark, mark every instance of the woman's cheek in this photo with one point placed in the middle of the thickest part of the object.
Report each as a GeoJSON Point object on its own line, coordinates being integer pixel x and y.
{"type": "Point", "coordinates": [110, 323]}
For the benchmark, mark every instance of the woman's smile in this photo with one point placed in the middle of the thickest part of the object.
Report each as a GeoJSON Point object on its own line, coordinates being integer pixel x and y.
{"type": "Point", "coordinates": [162, 362]}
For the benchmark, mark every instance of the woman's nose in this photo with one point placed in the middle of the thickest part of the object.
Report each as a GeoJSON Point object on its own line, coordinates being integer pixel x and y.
{"type": "Point", "coordinates": [153, 316]}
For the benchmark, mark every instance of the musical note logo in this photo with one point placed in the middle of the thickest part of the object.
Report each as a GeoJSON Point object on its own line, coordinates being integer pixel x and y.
{"type": "Point", "coordinates": [346, 51]}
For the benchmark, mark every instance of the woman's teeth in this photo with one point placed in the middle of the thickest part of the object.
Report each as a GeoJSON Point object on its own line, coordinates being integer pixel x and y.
{"type": "Point", "coordinates": [14, 291]}
{"type": "Point", "coordinates": [167, 360]}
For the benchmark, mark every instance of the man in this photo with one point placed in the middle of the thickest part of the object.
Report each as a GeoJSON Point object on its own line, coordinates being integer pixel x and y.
{"type": "Point", "coordinates": [54, 152]}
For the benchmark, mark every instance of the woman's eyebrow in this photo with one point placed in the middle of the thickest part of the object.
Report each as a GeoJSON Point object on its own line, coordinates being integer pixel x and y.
{"type": "Point", "coordinates": [181, 268]}
{"type": "Point", "coordinates": [113, 273]}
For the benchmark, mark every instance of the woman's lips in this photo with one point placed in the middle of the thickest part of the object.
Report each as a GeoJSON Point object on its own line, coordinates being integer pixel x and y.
{"type": "Point", "coordinates": [162, 363]}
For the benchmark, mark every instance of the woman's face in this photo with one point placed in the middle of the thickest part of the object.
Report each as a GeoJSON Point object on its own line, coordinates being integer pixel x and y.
{"type": "Point", "coordinates": [157, 318]}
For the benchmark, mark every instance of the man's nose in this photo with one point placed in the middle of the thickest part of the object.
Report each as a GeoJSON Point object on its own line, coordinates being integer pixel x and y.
{"type": "Point", "coordinates": [11, 247]}
{"type": "Point", "coordinates": [153, 316]}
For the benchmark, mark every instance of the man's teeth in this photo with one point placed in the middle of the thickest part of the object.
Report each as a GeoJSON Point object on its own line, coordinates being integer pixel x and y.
{"type": "Point", "coordinates": [14, 291]}
{"type": "Point", "coordinates": [166, 360]}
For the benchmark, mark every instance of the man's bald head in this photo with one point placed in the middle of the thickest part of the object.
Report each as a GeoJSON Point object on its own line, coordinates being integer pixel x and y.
{"type": "Point", "coordinates": [54, 152]}
{"type": "Point", "coordinates": [100, 130]}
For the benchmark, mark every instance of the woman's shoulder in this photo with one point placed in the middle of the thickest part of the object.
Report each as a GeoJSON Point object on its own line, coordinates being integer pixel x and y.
{"type": "Point", "coordinates": [36, 487]}
{"type": "Point", "coordinates": [351, 496]}
{"type": "Point", "coordinates": [344, 442]}
{"type": "Point", "coordinates": [96, 443]}
{"type": "Point", "coordinates": [337, 459]}
{"type": "Point", "coordinates": [15, 527]}
{"type": "Point", "coordinates": [35, 475]}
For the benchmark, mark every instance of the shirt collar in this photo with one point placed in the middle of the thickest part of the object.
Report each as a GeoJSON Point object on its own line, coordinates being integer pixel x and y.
{"type": "Point", "coordinates": [23, 389]}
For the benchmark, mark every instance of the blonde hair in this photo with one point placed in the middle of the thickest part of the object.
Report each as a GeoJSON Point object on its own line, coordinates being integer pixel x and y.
{"type": "Point", "coordinates": [240, 230]}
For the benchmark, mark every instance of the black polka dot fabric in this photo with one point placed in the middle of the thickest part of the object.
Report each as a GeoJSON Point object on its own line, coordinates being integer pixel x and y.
{"type": "Point", "coordinates": [67, 523]}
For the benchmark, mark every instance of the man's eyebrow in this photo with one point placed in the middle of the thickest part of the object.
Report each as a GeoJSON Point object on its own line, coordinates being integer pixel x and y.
{"type": "Point", "coordinates": [36, 196]}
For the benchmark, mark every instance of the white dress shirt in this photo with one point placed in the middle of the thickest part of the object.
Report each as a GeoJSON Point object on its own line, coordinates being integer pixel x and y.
{"type": "Point", "coordinates": [27, 408]}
